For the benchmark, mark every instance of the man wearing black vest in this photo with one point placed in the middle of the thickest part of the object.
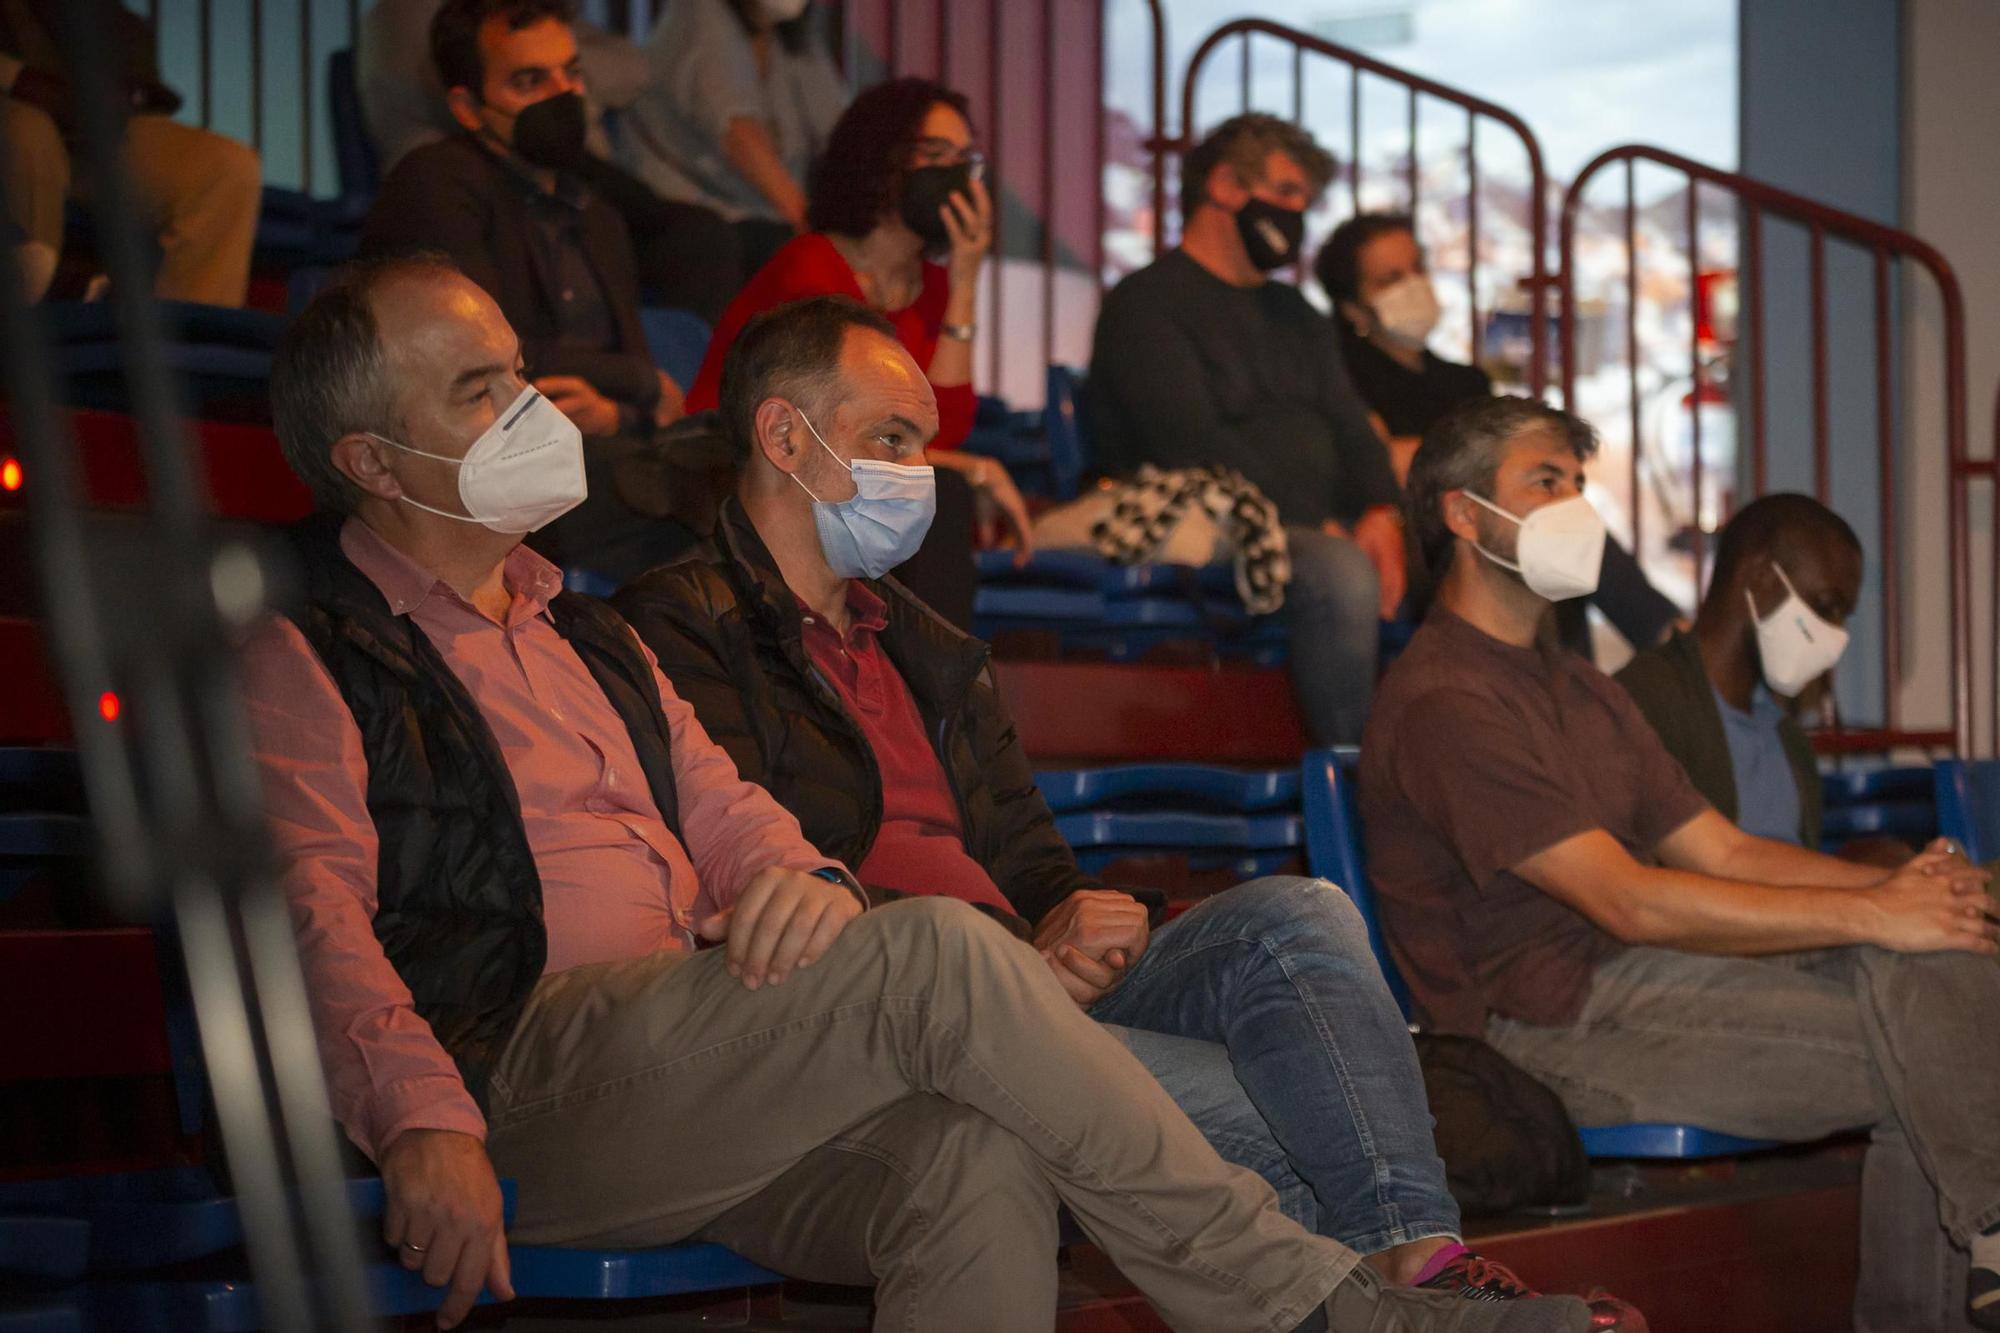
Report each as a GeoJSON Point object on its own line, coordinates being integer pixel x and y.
{"type": "Point", "coordinates": [502, 834]}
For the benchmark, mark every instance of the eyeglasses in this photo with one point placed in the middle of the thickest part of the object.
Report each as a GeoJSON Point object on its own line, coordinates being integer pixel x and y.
{"type": "Point", "coordinates": [945, 153]}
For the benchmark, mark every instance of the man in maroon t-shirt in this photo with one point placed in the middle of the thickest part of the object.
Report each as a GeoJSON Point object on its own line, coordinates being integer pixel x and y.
{"type": "Point", "coordinates": [1550, 879]}
{"type": "Point", "coordinates": [1261, 1011]}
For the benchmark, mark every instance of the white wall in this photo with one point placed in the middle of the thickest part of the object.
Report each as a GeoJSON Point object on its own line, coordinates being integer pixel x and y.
{"type": "Point", "coordinates": [1951, 197]}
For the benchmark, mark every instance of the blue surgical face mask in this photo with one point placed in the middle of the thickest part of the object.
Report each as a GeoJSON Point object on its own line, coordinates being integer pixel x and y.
{"type": "Point", "coordinates": [885, 521]}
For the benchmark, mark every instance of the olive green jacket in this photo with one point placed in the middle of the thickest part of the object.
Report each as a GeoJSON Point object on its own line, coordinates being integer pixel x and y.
{"type": "Point", "coordinates": [1672, 689]}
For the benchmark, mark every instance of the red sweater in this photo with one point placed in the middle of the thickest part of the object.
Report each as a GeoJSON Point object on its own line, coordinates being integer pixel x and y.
{"type": "Point", "coordinates": [810, 266]}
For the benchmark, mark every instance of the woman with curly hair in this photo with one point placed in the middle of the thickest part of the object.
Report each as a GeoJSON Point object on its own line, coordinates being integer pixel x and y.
{"type": "Point", "coordinates": [898, 189]}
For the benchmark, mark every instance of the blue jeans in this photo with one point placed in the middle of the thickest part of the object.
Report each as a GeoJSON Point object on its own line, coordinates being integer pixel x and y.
{"type": "Point", "coordinates": [1333, 625]}
{"type": "Point", "coordinates": [1263, 1013]}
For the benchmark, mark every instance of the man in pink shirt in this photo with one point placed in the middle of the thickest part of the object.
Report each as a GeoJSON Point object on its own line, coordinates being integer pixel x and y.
{"type": "Point", "coordinates": [503, 835]}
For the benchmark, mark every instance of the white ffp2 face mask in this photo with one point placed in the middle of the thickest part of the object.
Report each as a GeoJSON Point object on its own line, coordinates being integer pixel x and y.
{"type": "Point", "coordinates": [885, 520]}
{"type": "Point", "coordinates": [1408, 311]}
{"type": "Point", "coordinates": [1795, 643]}
{"type": "Point", "coordinates": [523, 472]}
{"type": "Point", "coordinates": [1561, 548]}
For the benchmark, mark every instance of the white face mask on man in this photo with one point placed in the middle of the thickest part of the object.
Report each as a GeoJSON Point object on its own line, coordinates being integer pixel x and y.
{"type": "Point", "coordinates": [1795, 643]}
{"type": "Point", "coordinates": [523, 472]}
{"type": "Point", "coordinates": [1560, 550]}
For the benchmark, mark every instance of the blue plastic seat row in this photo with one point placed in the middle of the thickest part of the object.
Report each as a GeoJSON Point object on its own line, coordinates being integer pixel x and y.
{"type": "Point", "coordinates": [1076, 569]}
{"type": "Point", "coordinates": [1185, 816]}
{"type": "Point", "coordinates": [1898, 802]}
{"type": "Point", "coordinates": [1968, 806]}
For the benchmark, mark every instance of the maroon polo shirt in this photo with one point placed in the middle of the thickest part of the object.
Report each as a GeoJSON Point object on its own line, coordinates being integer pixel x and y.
{"type": "Point", "coordinates": [920, 848]}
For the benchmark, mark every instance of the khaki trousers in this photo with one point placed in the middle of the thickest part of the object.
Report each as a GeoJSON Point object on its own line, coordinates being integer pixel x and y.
{"type": "Point", "coordinates": [200, 193]}
{"type": "Point", "coordinates": [909, 1111]}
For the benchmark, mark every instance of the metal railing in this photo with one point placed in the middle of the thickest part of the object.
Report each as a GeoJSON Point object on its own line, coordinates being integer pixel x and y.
{"type": "Point", "coordinates": [1416, 87]}
{"type": "Point", "coordinates": [1885, 246]}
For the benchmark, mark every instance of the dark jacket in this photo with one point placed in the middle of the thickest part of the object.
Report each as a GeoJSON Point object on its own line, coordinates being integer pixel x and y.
{"type": "Point", "coordinates": [728, 633]}
{"type": "Point", "coordinates": [457, 198]}
{"type": "Point", "coordinates": [1672, 689]}
{"type": "Point", "coordinates": [459, 899]}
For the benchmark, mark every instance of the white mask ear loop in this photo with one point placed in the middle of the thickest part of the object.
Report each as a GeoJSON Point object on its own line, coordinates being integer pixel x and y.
{"type": "Point", "coordinates": [1512, 566]}
{"type": "Point", "coordinates": [419, 504]}
{"type": "Point", "coordinates": [1783, 578]}
{"type": "Point", "coordinates": [818, 439]}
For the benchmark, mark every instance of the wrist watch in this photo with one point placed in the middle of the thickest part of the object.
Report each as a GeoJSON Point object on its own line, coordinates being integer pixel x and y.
{"type": "Point", "coordinates": [962, 332]}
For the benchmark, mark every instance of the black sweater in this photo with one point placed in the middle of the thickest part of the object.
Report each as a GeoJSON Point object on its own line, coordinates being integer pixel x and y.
{"type": "Point", "coordinates": [1189, 370]}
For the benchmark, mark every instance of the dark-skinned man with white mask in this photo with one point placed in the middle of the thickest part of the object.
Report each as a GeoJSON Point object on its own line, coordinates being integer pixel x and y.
{"type": "Point", "coordinates": [1723, 698]}
{"type": "Point", "coordinates": [1551, 880]}
{"type": "Point", "coordinates": [1205, 357]}
{"type": "Point", "coordinates": [502, 835]}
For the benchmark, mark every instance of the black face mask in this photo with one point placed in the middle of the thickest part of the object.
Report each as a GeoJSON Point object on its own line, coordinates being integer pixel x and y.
{"type": "Point", "coordinates": [926, 190]}
{"type": "Point", "coordinates": [1271, 233]}
{"type": "Point", "coordinates": [550, 133]}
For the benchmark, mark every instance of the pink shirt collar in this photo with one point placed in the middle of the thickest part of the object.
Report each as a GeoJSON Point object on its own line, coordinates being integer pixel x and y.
{"type": "Point", "coordinates": [407, 585]}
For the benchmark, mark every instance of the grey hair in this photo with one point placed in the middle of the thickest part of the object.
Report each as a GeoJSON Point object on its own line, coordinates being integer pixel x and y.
{"type": "Point", "coordinates": [1462, 452]}
{"type": "Point", "coordinates": [330, 376]}
{"type": "Point", "coordinates": [1246, 142]}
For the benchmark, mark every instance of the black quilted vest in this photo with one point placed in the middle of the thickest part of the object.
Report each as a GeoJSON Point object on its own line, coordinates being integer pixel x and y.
{"type": "Point", "coordinates": [459, 901]}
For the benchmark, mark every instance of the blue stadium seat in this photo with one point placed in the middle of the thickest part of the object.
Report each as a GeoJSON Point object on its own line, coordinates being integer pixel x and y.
{"type": "Point", "coordinates": [139, 1300]}
{"type": "Point", "coordinates": [33, 843]}
{"type": "Point", "coordinates": [44, 1249]}
{"type": "Point", "coordinates": [678, 340]}
{"type": "Point", "coordinates": [135, 1228]}
{"type": "Point", "coordinates": [220, 354]}
{"type": "Point", "coordinates": [45, 778]}
{"type": "Point", "coordinates": [1968, 806]}
{"type": "Point", "coordinates": [1684, 1142]}
{"type": "Point", "coordinates": [1244, 821]}
{"type": "Point", "coordinates": [59, 1312]}
{"type": "Point", "coordinates": [1898, 802]}
{"type": "Point", "coordinates": [1333, 847]}
{"type": "Point", "coordinates": [295, 229]}
{"type": "Point", "coordinates": [354, 154]}
{"type": "Point", "coordinates": [1335, 853]}
{"type": "Point", "coordinates": [1199, 786]}
{"type": "Point", "coordinates": [304, 284]}
{"type": "Point", "coordinates": [1063, 426]}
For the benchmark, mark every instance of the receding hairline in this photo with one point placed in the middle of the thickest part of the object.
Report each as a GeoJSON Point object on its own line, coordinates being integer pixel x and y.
{"type": "Point", "coordinates": [418, 275]}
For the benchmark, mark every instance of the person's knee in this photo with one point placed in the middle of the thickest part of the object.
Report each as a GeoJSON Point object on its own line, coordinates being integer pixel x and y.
{"type": "Point", "coordinates": [234, 169]}
{"type": "Point", "coordinates": [1293, 904]}
{"type": "Point", "coordinates": [34, 156]}
{"type": "Point", "coordinates": [1331, 577]}
{"type": "Point", "coordinates": [31, 135]}
{"type": "Point", "coordinates": [935, 924]}
{"type": "Point", "coordinates": [190, 170]}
